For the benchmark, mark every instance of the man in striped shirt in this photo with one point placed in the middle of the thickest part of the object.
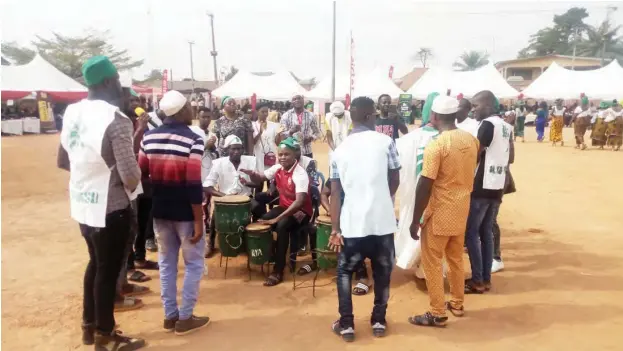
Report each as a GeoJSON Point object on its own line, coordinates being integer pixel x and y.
{"type": "Point", "coordinates": [170, 156]}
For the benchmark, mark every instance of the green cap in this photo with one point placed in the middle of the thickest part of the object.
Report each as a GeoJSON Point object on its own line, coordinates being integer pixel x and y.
{"type": "Point", "coordinates": [605, 104]}
{"type": "Point", "coordinates": [584, 100]}
{"type": "Point", "coordinates": [496, 104]}
{"type": "Point", "coordinates": [96, 69]}
{"type": "Point", "coordinates": [133, 93]}
{"type": "Point", "coordinates": [428, 105]}
{"type": "Point", "coordinates": [290, 143]}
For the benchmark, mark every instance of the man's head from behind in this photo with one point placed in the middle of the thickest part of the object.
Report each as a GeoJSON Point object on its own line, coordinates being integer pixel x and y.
{"type": "Point", "coordinates": [464, 107]}
{"type": "Point", "coordinates": [102, 79]}
{"type": "Point", "coordinates": [484, 105]}
{"type": "Point", "coordinates": [444, 111]}
{"type": "Point", "coordinates": [363, 112]}
{"type": "Point", "coordinates": [176, 106]}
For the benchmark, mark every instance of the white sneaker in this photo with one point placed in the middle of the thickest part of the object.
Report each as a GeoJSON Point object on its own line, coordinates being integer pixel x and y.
{"type": "Point", "coordinates": [419, 272]}
{"type": "Point", "coordinates": [497, 266]}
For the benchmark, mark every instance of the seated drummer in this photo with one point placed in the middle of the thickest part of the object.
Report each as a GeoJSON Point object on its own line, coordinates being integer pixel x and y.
{"type": "Point", "coordinates": [295, 208]}
{"type": "Point", "coordinates": [225, 174]}
{"type": "Point", "coordinates": [361, 272]}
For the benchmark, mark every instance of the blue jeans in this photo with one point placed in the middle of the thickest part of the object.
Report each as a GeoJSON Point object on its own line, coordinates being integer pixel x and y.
{"type": "Point", "coordinates": [380, 250]}
{"type": "Point", "coordinates": [171, 236]}
{"type": "Point", "coordinates": [479, 237]}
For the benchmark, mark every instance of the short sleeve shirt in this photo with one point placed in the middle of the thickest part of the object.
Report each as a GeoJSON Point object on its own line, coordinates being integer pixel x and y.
{"type": "Point", "coordinates": [450, 161]}
{"type": "Point", "coordinates": [289, 183]}
{"type": "Point", "coordinates": [224, 127]}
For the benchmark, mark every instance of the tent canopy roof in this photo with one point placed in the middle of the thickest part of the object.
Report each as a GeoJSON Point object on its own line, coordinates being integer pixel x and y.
{"type": "Point", "coordinates": [38, 75]}
{"type": "Point", "coordinates": [280, 85]}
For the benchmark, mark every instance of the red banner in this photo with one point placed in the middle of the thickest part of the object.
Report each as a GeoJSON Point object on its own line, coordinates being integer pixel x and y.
{"type": "Point", "coordinates": [391, 72]}
{"type": "Point", "coordinates": [165, 81]}
{"type": "Point", "coordinates": [253, 101]}
{"type": "Point", "coordinates": [347, 101]}
{"type": "Point", "coordinates": [352, 64]}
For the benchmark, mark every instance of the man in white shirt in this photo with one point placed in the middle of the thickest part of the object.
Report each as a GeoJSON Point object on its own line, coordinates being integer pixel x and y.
{"type": "Point", "coordinates": [364, 229]}
{"type": "Point", "coordinates": [465, 123]}
{"type": "Point", "coordinates": [337, 123]}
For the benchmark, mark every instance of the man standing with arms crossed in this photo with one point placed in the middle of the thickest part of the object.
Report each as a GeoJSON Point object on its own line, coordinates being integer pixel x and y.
{"type": "Point", "coordinates": [443, 198]}
{"type": "Point", "coordinates": [96, 148]}
{"type": "Point", "coordinates": [366, 167]}
{"type": "Point", "coordinates": [300, 124]}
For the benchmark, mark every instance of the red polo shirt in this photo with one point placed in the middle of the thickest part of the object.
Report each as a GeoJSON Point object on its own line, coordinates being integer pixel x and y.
{"type": "Point", "coordinates": [289, 183]}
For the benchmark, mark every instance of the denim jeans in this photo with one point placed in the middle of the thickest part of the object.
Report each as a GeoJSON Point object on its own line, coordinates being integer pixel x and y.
{"type": "Point", "coordinates": [479, 237]}
{"type": "Point", "coordinates": [497, 252]}
{"type": "Point", "coordinates": [107, 250]}
{"type": "Point", "coordinates": [171, 236]}
{"type": "Point", "coordinates": [380, 250]}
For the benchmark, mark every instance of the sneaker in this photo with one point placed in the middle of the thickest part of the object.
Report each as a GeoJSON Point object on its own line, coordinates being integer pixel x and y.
{"type": "Point", "coordinates": [497, 266]}
{"type": "Point", "coordinates": [194, 323]}
{"type": "Point", "coordinates": [169, 324]}
{"type": "Point", "coordinates": [88, 334]}
{"type": "Point", "coordinates": [117, 341]}
{"type": "Point", "coordinates": [347, 334]}
{"type": "Point", "coordinates": [378, 329]}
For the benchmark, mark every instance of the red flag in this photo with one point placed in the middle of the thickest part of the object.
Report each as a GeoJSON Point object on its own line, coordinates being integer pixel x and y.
{"type": "Point", "coordinates": [253, 101]}
{"type": "Point", "coordinates": [391, 72]}
{"type": "Point", "coordinates": [352, 64]}
{"type": "Point", "coordinates": [165, 82]}
{"type": "Point", "coordinates": [347, 101]}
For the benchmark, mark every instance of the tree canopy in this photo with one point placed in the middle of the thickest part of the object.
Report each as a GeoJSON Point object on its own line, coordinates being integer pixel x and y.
{"type": "Point", "coordinates": [471, 60]}
{"type": "Point", "coordinates": [423, 55]}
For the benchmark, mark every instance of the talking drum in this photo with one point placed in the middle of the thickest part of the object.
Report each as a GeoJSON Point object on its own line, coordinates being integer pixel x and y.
{"type": "Point", "coordinates": [259, 242]}
{"type": "Point", "coordinates": [231, 217]}
{"type": "Point", "coordinates": [326, 257]}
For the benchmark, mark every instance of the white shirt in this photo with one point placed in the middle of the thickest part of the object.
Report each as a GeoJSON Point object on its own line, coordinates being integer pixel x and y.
{"type": "Point", "coordinates": [339, 127]}
{"type": "Point", "coordinates": [199, 132]}
{"type": "Point", "coordinates": [582, 113]}
{"type": "Point", "coordinates": [227, 177]}
{"type": "Point", "coordinates": [361, 163]}
{"type": "Point", "coordinates": [300, 178]}
{"type": "Point", "coordinates": [266, 143]}
{"type": "Point", "coordinates": [469, 125]}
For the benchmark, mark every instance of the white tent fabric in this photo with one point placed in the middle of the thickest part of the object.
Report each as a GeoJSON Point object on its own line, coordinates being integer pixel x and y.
{"type": "Point", "coordinates": [278, 86]}
{"type": "Point", "coordinates": [468, 83]}
{"type": "Point", "coordinates": [375, 83]}
{"type": "Point", "coordinates": [38, 75]}
{"type": "Point", "coordinates": [322, 90]}
{"type": "Point", "coordinates": [559, 82]}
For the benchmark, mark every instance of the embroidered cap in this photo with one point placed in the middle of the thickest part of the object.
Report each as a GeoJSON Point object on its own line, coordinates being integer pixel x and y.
{"type": "Point", "coordinates": [445, 105]}
{"type": "Point", "coordinates": [232, 140]}
{"type": "Point", "coordinates": [337, 108]}
{"type": "Point", "coordinates": [172, 102]}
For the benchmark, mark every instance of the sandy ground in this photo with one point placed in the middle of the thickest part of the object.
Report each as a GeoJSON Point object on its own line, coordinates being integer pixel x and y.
{"type": "Point", "coordinates": [562, 288]}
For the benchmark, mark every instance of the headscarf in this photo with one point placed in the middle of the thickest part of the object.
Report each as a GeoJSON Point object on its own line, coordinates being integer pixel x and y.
{"type": "Point", "coordinates": [225, 98]}
{"type": "Point", "coordinates": [428, 105]}
{"type": "Point", "coordinates": [584, 100]}
{"type": "Point", "coordinates": [496, 104]}
{"type": "Point", "coordinates": [291, 143]}
{"type": "Point", "coordinates": [604, 104]}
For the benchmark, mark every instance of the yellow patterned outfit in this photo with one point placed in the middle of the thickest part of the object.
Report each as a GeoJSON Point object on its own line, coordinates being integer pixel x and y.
{"type": "Point", "coordinates": [558, 122]}
{"type": "Point", "coordinates": [614, 130]}
{"type": "Point", "coordinates": [450, 161]}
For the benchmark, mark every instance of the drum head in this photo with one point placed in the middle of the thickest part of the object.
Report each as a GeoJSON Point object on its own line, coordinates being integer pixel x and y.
{"type": "Point", "coordinates": [232, 199]}
{"type": "Point", "coordinates": [324, 220]}
{"type": "Point", "coordinates": [257, 227]}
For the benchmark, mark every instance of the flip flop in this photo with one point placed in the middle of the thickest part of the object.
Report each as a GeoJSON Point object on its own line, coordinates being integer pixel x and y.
{"type": "Point", "coordinates": [134, 290]}
{"type": "Point", "coordinates": [138, 277]}
{"type": "Point", "coordinates": [347, 334]}
{"type": "Point", "coordinates": [147, 265]}
{"type": "Point", "coordinates": [306, 269]}
{"type": "Point", "coordinates": [361, 289]}
{"type": "Point", "coordinates": [273, 279]}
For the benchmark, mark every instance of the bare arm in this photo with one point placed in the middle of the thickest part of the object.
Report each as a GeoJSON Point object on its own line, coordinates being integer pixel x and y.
{"type": "Point", "coordinates": [336, 204]}
{"type": "Point", "coordinates": [250, 143]}
{"type": "Point", "coordinates": [62, 159]}
{"type": "Point", "coordinates": [402, 127]}
{"type": "Point", "coordinates": [511, 146]}
{"type": "Point", "coordinates": [393, 178]}
{"type": "Point", "coordinates": [422, 196]}
{"type": "Point", "coordinates": [329, 137]}
{"type": "Point", "coordinates": [324, 198]}
{"type": "Point", "coordinates": [212, 191]}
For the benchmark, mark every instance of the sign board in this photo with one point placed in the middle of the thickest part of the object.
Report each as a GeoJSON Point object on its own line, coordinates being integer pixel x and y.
{"type": "Point", "coordinates": [404, 106]}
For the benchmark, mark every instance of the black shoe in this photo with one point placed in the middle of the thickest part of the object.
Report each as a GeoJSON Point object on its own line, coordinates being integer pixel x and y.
{"type": "Point", "coordinates": [116, 341]}
{"type": "Point", "coordinates": [150, 245]}
{"type": "Point", "coordinates": [428, 320]}
{"type": "Point", "coordinates": [88, 334]}
{"type": "Point", "coordinates": [194, 323]}
{"type": "Point", "coordinates": [169, 324]}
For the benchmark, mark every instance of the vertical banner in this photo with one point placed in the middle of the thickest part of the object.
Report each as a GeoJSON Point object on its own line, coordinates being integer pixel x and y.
{"type": "Point", "coordinates": [352, 64]}
{"type": "Point", "coordinates": [44, 109]}
{"type": "Point", "coordinates": [253, 101]}
{"type": "Point", "coordinates": [391, 72]}
{"type": "Point", "coordinates": [404, 107]}
{"type": "Point", "coordinates": [347, 101]}
{"type": "Point", "coordinates": [165, 82]}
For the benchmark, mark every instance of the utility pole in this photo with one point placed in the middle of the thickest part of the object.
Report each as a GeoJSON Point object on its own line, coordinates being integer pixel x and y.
{"type": "Point", "coordinates": [333, 59]}
{"type": "Point", "coordinates": [192, 71]}
{"type": "Point", "coordinates": [213, 52]}
{"type": "Point", "coordinates": [611, 9]}
{"type": "Point", "coordinates": [575, 44]}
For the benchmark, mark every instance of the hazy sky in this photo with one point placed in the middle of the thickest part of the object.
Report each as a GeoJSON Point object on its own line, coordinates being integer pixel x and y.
{"type": "Point", "coordinates": [293, 34]}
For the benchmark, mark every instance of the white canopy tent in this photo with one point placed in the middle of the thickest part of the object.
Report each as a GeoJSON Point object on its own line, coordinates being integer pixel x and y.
{"type": "Point", "coordinates": [277, 86]}
{"type": "Point", "coordinates": [322, 90]}
{"type": "Point", "coordinates": [371, 84]}
{"type": "Point", "coordinates": [559, 82]}
{"type": "Point", "coordinates": [468, 83]}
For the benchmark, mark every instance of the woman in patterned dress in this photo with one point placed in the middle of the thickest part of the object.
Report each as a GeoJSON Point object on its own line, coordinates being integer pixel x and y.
{"type": "Point", "coordinates": [581, 121]}
{"type": "Point", "coordinates": [520, 121]}
{"type": "Point", "coordinates": [598, 133]}
{"type": "Point", "coordinates": [614, 126]}
{"type": "Point", "coordinates": [232, 123]}
{"type": "Point", "coordinates": [558, 122]}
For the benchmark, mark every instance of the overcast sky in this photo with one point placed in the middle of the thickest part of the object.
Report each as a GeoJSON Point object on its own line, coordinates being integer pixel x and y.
{"type": "Point", "coordinates": [293, 34]}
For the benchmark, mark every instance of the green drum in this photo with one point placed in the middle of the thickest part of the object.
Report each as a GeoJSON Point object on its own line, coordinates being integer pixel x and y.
{"type": "Point", "coordinates": [231, 217]}
{"type": "Point", "coordinates": [259, 243]}
{"type": "Point", "coordinates": [326, 257]}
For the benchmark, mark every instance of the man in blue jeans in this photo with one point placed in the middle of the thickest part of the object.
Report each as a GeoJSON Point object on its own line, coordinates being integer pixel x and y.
{"type": "Point", "coordinates": [171, 156]}
{"type": "Point", "coordinates": [496, 152]}
{"type": "Point", "coordinates": [365, 166]}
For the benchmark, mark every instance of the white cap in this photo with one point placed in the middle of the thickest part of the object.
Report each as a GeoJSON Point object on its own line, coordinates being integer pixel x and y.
{"type": "Point", "coordinates": [172, 102]}
{"type": "Point", "coordinates": [232, 140]}
{"type": "Point", "coordinates": [445, 105]}
{"type": "Point", "coordinates": [337, 108]}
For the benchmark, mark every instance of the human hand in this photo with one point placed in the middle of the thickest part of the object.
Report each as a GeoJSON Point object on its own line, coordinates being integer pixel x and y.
{"type": "Point", "coordinates": [198, 232]}
{"type": "Point", "coordinates": [243, 181]}
{"type": "Point", "coordinates": [142, 121]}
{"type": "Point", "coordinates": [295, 128]}
{"type": "Point", "coordinates": [268, 221]}
{"type": "Point", "coordinates": [336, 241]}
{"type": "Point", "coordinates": [308, 140]}
{"type": "Point", "coordinates": [211, 142]}
{"type": "Point", "coordinates": [414, 229]}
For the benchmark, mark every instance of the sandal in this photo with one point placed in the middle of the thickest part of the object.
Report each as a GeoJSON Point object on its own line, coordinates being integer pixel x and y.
{"type": "Point", "coordinates": [347, 334]}
{"type": "Point", "coordinates": [379, 329]}
{"type": "Point", "coordinates": [471, 288]}
{"type": "Point", "coordinates": [150, 245]}
{"type": "Point", "coordinates": [487, 286]}
{"type": "Point", "coordinates": [361, 289]}
{"type": "Point", "coordinates": [306, 269]}
{"type": "Point", "coordinates": [128, 304]}
{"type": "Point", "coordinates": [428, 320]}
{"type": "Point", "coordinates": [457, 312]}
{"type": "Point", "coordinates": [273, 279]}
{"type": "Point", "coordinates": [138, 277]}
{"type": "Point", "coordinates": [130, 290]}
{"type": "Point", "coordinates": [147, 265]}
{"type": "Point", "coordinates": [117, 341]}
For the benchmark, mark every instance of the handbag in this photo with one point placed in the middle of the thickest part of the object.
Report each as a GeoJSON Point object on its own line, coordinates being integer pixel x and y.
{"type": "Point", "coordinates": [270, 159]}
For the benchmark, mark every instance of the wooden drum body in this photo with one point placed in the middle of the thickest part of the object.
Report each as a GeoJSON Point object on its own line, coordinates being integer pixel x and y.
{"type": "Point", "coordinates": [232, 215]}
{"type": "Point", "coordinates": [259, 243]}
{"type": "Point", "coordinates": [326, 257]}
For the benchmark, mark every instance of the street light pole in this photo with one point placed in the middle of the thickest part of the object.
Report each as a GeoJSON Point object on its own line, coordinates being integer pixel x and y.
{"type": "Point", "coordinates": [213, 52]}
{"type": "Point", "coordinates": [333, 59]}
{"type": "Point", "coordinates": [192, 71]}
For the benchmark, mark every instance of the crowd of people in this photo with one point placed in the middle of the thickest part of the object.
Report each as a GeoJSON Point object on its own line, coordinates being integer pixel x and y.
{"type": "Point", "coordinates": [144, 180]}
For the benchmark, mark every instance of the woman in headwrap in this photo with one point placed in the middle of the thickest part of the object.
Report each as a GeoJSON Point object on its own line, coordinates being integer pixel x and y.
{"type": "Point", "coordinates": [581, 121]}
{"type": "Point", "coordinates": [598, 133]}
{"type": "Point", "coordinates": [520, 120]}
{"type": "Point", "coordinates": [233, 124]}
{"type": "Point", "coordinates": [540, 121]}
{"type": "Point", "coordinates": [558, 122]}
{"type": "Point", "coordinates": [614, 126]}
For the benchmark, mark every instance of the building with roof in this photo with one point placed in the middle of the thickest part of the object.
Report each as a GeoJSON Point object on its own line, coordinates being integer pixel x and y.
{"type": "Point", "coordinates": [520, 73]}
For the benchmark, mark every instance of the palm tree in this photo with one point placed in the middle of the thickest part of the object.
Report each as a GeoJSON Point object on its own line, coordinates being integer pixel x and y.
{"type": "Point", "coordinates": [471, 60]}
{"type": "Point", "coordinates": [602, 42]}
{"type": "Point", "coordinates": [423, 55]}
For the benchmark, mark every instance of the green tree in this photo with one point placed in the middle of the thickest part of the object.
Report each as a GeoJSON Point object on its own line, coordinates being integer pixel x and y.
{"type": "Point", "coordinates": [559, 38]}
{"type": "Point", "coordinates": [602, 42]}
{"type": "Point", "coordinates": [154, 75]}
{"type": "Point", "coordinates": [471, 60]}
{"type": "Point", "coordinates": [19, 55]}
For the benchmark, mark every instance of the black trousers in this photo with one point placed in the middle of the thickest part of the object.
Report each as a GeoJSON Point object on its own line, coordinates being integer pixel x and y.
{"type": "Point", "coordinates": [287, 230]}
{"type": "Point", "coordinates": [145, 226]}
{"type": "Point", "coordinates": [107, 249]}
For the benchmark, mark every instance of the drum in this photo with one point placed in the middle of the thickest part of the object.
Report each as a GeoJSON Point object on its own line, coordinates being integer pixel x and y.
{"type": "Point", "coordinates": [259, 243]}
{"type": "Point", "coordinates": [326, 258]}
{"type": "Point", "coordinates": [232, 214]}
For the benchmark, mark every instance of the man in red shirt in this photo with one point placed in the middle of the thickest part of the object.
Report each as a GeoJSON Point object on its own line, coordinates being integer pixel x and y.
{"type": "Point", "coordinates": [295, 207]}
